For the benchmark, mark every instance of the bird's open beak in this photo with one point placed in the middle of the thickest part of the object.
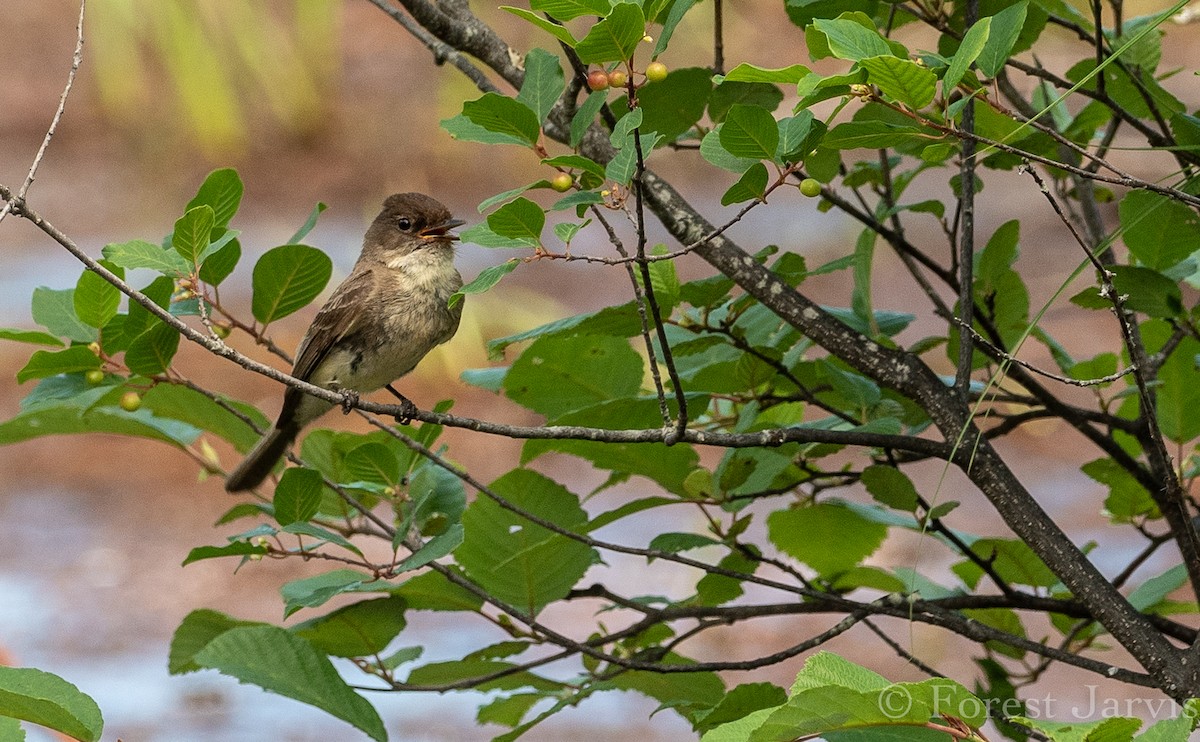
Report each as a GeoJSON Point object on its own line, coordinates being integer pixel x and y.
{"type": "Point", "coordinates": [442, 231]}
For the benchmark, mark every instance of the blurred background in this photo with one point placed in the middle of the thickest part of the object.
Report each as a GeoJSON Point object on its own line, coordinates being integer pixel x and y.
{"type": "Point", "coordinates": [317, 100]}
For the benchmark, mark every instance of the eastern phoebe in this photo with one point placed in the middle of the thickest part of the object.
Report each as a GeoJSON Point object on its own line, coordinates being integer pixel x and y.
{"type": "Point", "coordinates": [379, 323]}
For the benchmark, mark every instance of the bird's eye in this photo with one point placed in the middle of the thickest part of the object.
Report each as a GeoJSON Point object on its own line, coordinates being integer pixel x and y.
{"type": "Point", "coordinates": [404, 223]}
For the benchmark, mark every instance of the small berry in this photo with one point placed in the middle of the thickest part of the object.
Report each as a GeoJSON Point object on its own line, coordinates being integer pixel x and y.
{"type": "Point", "coordinates": [617, 78]}
{"type": "Point", "coordinates": [131, 401]}
{"type": "Point", "coordinates": [222, 329]}
{"type": "Point", "coordinates": [94, 347]}
{"type": "Point", "coordinates": [94, 376]}
{"type": "Point", "coordinates": [810, 187]}
{"type": "Point", "coordinates": [562, 182]}
{"type": "Point", "coordinates": [598, 80]}
{"type": "Point", "coordinates": [656, 72]}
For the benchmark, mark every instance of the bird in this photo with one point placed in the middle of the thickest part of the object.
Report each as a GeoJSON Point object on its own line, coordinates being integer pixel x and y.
{"type": "Point", "coordinates": [389, 312]}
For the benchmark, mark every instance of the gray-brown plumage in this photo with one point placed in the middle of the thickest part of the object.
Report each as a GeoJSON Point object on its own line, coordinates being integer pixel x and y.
{"type": "Point", "coordinates": [379, 323]}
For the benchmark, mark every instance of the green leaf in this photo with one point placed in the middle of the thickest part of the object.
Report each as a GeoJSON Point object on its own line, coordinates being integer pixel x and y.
{"type": "Point", "coordinates": [34, 337]}
{"type": "Point", "coordinates": [1152, 592]}
{"type": "Point", "coordinates": [219, 264]}
{"type": "Point", "coordinates": [901, 79]}
{"type": "Point", "coordinates": [751, 185]}
{"type": "Point", "coordinates": [500, 114]}
{"type": "Point", "coordinates": [1013, 560]}
{"type": "Point", "coordinates": [96, 300]}
{"type": "Point", "coordinates": [222, 192]}
{"type": "Point", "coordinates": [48, 700]}
{"type": "Point", "coordinates": [237, 548]}
{"type": "Point", "coordinates": [716, 154]}
{"type": "Point", "coordinates": [678, 9]}
{"type": "Point", "coordinates": [1111, 729]}
{"type": "Point", "coordinates": [764, 95]}
{"type": "Point", "coordinates": [674, 105]}
{"type": "Point", "coordinates": [182, 404]}
{"type": "Point", "coordinates": [851, 40]}
{"type": "Point", "coordinates": [308, 224]}
{"type": "Point", "coordinates": [1159, 231]}
{"type": "Point", "coordinates": [311, 592]}
{"type": "Point", "coordinates": [142, 254]}
{"type": "Point", "coordinates": [356, 630]}
{"type": "Point", "coordinates": [741, 701]}
{"type": "Point", "coordinates": [370, 462]}
{"type": "Point", "coordinates": [872, 135]}
{"type": "Point", "coordinates": [828, 537]}
{"type": "Point", "coordinates": [68, 404]}
{"type": "Point", "coordinates": [556, 375]}
{"type": "Point", "coordinates": [578, 162]}
{"type": "Point", "coordinates": [432, 591]}
{"type": "Point", "coordinates": [488, 277]}
{"type": "Point", "coordinates": [463, 129]}
{"type": "Point", "coordinates": [565, 10]}
{"type": "Point", "coordinates": [543, 82]}
{"type": "Point", "coordinates": [1177, 728]}
{"type": "Point", "coordinates": [481, 234]}
{"type": "Point", "coordinates": [751, 132]}
{"type": "Point", "coordinates": [687, 693]}
{"type": "Point", "coordinates": [55, 310]}
{"type": "Point", "coordinates": [288, 278]}
{"type": "Point", "coordinates": [192, 233]}
{"type": "Point", "coordinates": [968, 51]}
{"type": "Point", "coordinates": [1005, 30]}
{"type": "Point", "coordinates": [678, 542]}
{"type": "Point", "coordinates": [1179, 394]}
{"type": "Point", "coordinates": [619, 321]}
{"type": "Point", "coordinates": [615, 38]}
{"type": "Point", "coordinates": [554, 29]}
{"type": "Point", "coordinates": [197, 629]}
{"type": "Point", "coordinates": [791, 75]}
{"type": "Point", "coordinates": [435, 548]}
{"type": "Point", "coordinates": [280, 662]}
{"type": "Point", "coordinates": [1147, 291]}
{"type": "Point", "coordinates": [521, 220]}
{"type": "Point", "coordinates": [891, 487]}
{"type": "Point", "coordinates": [321, 534]}
{"type": "Point", "coordinates": [586, 115]}
{"type": "Point", "coordinates": [516, 560]}
{"type": "Point", "coordinates": [298, 496]}
{"type": "Point", "coordinates": [45, 363]}
{"type": "Point", "coordinates": [150, 353]}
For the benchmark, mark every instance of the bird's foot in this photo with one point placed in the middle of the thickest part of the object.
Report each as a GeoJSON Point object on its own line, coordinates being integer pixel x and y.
{"type": "Point", "coordinates": [349, 400]}
{"type": "Point", "coordinates": [408, 410]}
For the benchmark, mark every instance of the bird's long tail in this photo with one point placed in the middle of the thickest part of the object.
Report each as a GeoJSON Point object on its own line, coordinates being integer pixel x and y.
{"type": "Point", "coordinates": [261, 459]}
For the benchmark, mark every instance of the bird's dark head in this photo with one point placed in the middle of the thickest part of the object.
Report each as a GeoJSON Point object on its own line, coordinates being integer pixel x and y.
{"type": "Point", "coordinates": [409, 222]}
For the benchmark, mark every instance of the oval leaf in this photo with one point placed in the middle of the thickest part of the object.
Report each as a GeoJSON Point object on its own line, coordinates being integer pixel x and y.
{"type": "Point", "coordinates": [750, 131]}
{"type": "Point", "coordinates": [287, 278]}
{"type": "Point", "coordinates": [278, 661]}
{"type": "Point", "coordinates": [46, 699]}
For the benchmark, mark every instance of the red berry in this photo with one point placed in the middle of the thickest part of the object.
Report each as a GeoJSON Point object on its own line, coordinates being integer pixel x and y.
{"type": "Point", "coordinates": [598, 80]}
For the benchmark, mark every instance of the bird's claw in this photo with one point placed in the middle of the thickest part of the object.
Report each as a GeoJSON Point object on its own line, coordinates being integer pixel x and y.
{"type": "Point", "coordinates": [349, 400]}
{"type": "Point", "coordinates": [408, 411]}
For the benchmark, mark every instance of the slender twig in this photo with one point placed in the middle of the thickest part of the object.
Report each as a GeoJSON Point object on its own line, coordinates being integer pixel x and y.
{"type": "Point", "coordinates": [76, 60]}
{"type": "Point", "coordinates": [1168, 495]}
